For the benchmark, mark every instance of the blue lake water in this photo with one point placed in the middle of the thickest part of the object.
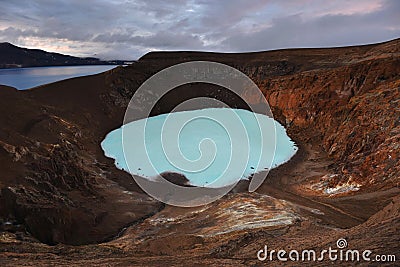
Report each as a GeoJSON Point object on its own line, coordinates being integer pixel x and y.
{"type": "Point", "coordinates": [25, 78]}
{"type": "Point", "coordinates": [212, 147]}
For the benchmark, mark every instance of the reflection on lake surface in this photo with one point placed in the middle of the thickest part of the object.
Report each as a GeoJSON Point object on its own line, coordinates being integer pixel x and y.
{"type": "Point", "coordinates": [24, 78]}
{"type": "Point", "coordinates": [212, 147]}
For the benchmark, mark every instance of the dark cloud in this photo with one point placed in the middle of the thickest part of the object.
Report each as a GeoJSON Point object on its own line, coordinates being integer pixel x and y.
{"type": "Point", "coordinates": [167, 40]}
{"type": "Point", "coordinates": [129, 28]}
{"type": "Point", "coordinates": [324, 31]}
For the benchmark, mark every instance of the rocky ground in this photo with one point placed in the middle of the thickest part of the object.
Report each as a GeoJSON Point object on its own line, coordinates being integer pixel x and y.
{"type": "Point", "coordinates": [64, 203]}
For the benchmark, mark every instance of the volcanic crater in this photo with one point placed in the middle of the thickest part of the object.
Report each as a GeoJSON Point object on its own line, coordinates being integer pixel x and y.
{"type": "Point", "coordinates": [63, 202]}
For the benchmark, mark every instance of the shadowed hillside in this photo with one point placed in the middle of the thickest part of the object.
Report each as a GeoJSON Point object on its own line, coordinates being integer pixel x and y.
{"type": "Point", "coordinates": [12, 56]}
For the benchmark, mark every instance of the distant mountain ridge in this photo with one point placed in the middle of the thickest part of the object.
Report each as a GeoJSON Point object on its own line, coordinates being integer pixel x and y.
{"type": "Point", "coordinates": [12, 56]}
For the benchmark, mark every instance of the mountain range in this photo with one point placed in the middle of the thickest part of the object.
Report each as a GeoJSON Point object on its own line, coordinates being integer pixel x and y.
{"type": "Point", "coordinates": [12, 56]}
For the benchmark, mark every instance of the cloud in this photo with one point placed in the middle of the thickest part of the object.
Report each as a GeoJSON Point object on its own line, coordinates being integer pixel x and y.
{"type": "Point", "coordinates": [334, 29]}
{"type": "Point", "coordinates": [128, 28]}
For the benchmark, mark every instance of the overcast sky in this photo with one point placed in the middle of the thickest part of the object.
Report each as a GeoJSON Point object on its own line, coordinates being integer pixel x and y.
{"type": "Point", "coordinates": [127, 29]}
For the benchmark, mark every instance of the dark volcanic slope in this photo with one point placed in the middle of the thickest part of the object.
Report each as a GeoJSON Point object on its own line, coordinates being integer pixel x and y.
{"type": "Point", "coordinates": [12, 56]}
{"type": "Point", "coordinates": [341, 105]}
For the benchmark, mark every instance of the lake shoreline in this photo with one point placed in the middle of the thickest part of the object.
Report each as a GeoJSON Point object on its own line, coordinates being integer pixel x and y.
{"type": "Point", "coordinates": [30, 77]}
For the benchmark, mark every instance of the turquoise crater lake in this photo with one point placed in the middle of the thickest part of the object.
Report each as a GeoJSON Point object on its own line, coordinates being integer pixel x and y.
{"type": "Point", "coordinates": [212, 147]}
